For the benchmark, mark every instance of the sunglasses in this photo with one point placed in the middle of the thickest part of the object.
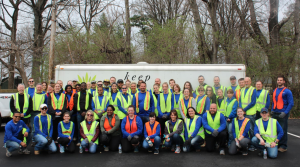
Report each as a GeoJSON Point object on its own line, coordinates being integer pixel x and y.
{"type": "Point", "coordinates": [124, 88]}
{"type": "Point", "coordinates": [30, 81]}
{"type": "Point", "coordinates": [17, 116]}
{"type": "Point", "coordinates": [45, 108]}
{"type": "Point", "coordinates": [99, 84]}
{"type": "Point", "coordinates": [201, 90]}
{"type": "Point", "coordinates": [90, 115]}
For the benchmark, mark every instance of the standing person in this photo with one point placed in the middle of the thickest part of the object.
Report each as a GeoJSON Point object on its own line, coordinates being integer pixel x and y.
{"type": "Point", "coordinates": [221, 101]}
{"type": "Point", "coordinates": [139, 84]}
{"type": "Point", "coordinates": [70, 107]}
{"type": "Point", "coordinates": [233, 85]}
{"type": "Point", "coordinates": [77, 88]}
{"type": "Point", "coordinates": [132, 129]}
{"type": "Point", "coordinates": [185, 103]}
{"type": "Point", "coordinates": [210, 93]}
{"type": "Point", "coordinates": [106, 87]}
{"type": "Point", "coordinates": [124, 101]}
{"type": "Point", "coordinates": [89, 132]}
{"type": "Point", "coordinates": [282, 104]}
{"type": "Point", "coordinates": [133, 89]}
{"type": "Point", "coordinates": [230, 113]}
{"type": "Point", "coordinates": [112, 80]}
{"type": "Point", "coordinates": [202, 101]}
{"type": "Point", "coordinates": [82, 103]}
{"type": "Point", "coordinates": [262, 98]}
{"type": "Point", "coordinates": [268, 134]}
{"type": "Point", "coordinates": [52, 83]}
{"type": "Point", "coordinates": [215, 125]}
{"type": "Point", "coordinates": [110, 129]}
{"type": "Point", "coordinates": [93, 89]}
{"type": "Point", "coordinates": [144, 103]}
{"type": "Point", "coordinates": [247, 101]}
{"type": "Point", "coordinates": [88, 85]}
{"type": "Point", "coordinates": [201, 80]}
{"type": "Point", "coordinates": [50, 90]}
{"type": "Point", "coordinates": [31, 89]}
{"type": "Point", "coordinates": [120, 83]}
{"type": "Point", "coordinates": [177, 98]}
{"type": "Point", "coordinates": [16, 135]}
{"type": "Point", "coordinates": [113, 97]}
{"type": "Point", "coordinates": [127, 83]}
{"type": "Point", "coordinates": [188, 85]}
{"type": "Point", "coordinates": [99, 104]}
{"type": "Point", "coordinates": [57, 104]}
{"type": "Point", "coordinates": [69, 82]}
{"type": "Point", "coordinates": [66, 129]}
{"type": "Point", "coordinates": [60, 82]}
{"type": "Point", "coordinates": [237, 92]}
{"type": "Point", "coordinates": [155, 95]}
{"type": "Point", "coordinates": [21, 103]}
{"type": "Point", "coordinates": [217, 86]}
{"type": "Point", "coordinates": [174, 132]}
{"type": "Point", "coordinates": [240, 132]}
{"type": "Point", "coordinates": [172, 83]}
{"type": "Point", "coordinates": [152, 134]}
{"type": "Point", "coordinates": [43, 131]}
{"type": "Point", "coordinates": [157, 82]}
{"type": "Point", "coordinates": [45, 87]}
{"type": "Point", "coordinates": [194, 133]}
{"type": "Point", "coordinates": [74, 83]}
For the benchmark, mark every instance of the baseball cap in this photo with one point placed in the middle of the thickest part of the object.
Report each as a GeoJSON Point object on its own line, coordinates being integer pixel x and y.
{"type": "Point", "coordinates": [43, 105]}
{"type": "Point", "coordinates": [232, 78]}
{"type": "Point", "coordinates": [75, 80]}
{"type": "Point", "coordinates": [106, 80]}
{"type": "Point", "coordinates": [93, 82]}
{"type": "Point", "coordinates": [264, 110]}
{"type": "Point", "coordinates": [120, 80]}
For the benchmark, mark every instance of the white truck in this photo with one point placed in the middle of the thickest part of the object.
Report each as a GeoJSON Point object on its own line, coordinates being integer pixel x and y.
{"type": "Point", "coordinates": [4, 107]}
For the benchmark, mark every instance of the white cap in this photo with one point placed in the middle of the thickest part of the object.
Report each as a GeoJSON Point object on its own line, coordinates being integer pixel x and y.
{"type": "Point", "coordinates": [43, 105]}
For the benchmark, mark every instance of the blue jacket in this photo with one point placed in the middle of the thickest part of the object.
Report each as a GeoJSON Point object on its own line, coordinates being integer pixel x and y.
{"type": "Point", "coordinates": [246, 131]}
{"type": "Point", "coordinates": [44, 131]}
{"type": "Point", "coordinates": [12, 131]}
{"type": "Point", "coordinates": [160, 114]}
{"type": "Point", "coordinates": [265, 123]}
{"type": "Point", "coordinates": [288, 101]}
{"type": "Point", "coordinates": [207, 127]}
{"type": "Point", "coordinates": [234, 108]}
{"type": "Point", "coordinates": [152, 136]}
{"type": "Point", "coordinates": [67, 126]}
{"type": "Point", "coordinates": [198, 126]}
{"type": "Point", "coordinates": [139, 124]}
{"type": "Point", "coordinates": [253, 100]}
{"type": "Point", "coordinates": [268, 98]}
{"type": "Point", "coordinates": [141, 100]}
{"type": "Point", "coordinates": [100, 101]}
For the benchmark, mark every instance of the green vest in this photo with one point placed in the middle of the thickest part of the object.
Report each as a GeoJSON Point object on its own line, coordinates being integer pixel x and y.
{"type": "Point", "coordinates": [201, 104]}
{"type": "Point", "coordinates": [215, 124]}
{"type": "Point", "coordinates": [37, 100]}
{"type": "Point", "coordinates": [125, 104]}
{"type": "Point", "coordinates": [87, 99]}
{"type": "Point", "coordinates": [246, 100]}
{"type": "Point", "coordinates": [58, 104]}
{"type": "Point", "coordinates": [175, 128]}
{"type": "Point", "coordinates": [115, 102]}
{"type": "Point", "coordinates": [165, 106]}
{"type": "Point", "coordinates": [191, 129]}
{"type": "Point", "coordinates": [99, 107]}
{"type": "Point", "coordinates": [271, 134]}
{"type": "Point", "coordinates": [25, 138]}
{"type": "Point", "coordinates": [48, 120]}
{"type": "Point", "coordinates": [222, 107]}
{"type": "Point", "coordinates": [237, 87]}
{"type": "Point", "coordinates": [229, 107]}
{"type": "Point", "coordinates": [17, 106]}
{"type": "Point", "coordinates": [66, 131]}
{"type": "Point", "coordinates": [221, 87]}
{"type": "Point", "coordinates": [160, 89]}
{"type": "Point", "coordinates": [196, 90]}
{"type": "Point", "coordinates": [155, 105]}
{"type": "Point", "coordinates": [94, 93]}
{"type": "Point", "coordinates": [261, 101]}
{"type": "Point", "coordinates": [176, 105]}
{"type": "Point", "coordinates": [237, 127]}
{"type": "Point", "coordinates": [146, 102]}
{"type": "Point", "coordinates": [90, 133]}
{"type": "Point", "coordinates": [183, 107]}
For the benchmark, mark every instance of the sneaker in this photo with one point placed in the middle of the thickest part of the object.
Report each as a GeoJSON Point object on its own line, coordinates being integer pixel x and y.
{"type": "Point", "coordinates": [61, 149]}
{"type": "Point", "coordinates": [156, 151]}
{"type": "Point", "coordinates": [150, 150]}
{"type": "Point", "coordinates": [173, 148]}
{"type": "Point", "coordinates": [78, 144]}
{"type": "Point", "coordinates": [222, 152]}
{"type": "Point", "coordinates": [106, 148]}
{"type": "Point", "coordinates": [251, 149]}
{"type": "Point", "coordinates": [177, 151]}
{"type": "Point", "coordinates": [245, 152]}
{"type": "Point", "coordinates": [26, 152]}
{"type": "Point", "coordinates": [136, 149]}
{"type": "Point", "coordinates": [86, 149]}
{"type": "Point", "coordinates": [36, 152]}
{"type": "Point", "coordinates": [8, 154]}
{"type": "Point", "coordinates": [280, 149]}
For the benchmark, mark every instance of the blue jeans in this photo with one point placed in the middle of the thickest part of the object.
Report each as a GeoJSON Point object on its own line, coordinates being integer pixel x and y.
{"type": "Point", "coordinates": [272, 152]}
{"type": "Point", "coordinates": [176, 139]}
{"type": "Point", "coordinates": [13, 146]}
{"type": "Point", "coordinates": [156, 143]}
{"type": "Point", "coordinates": [33, 114]}
{"type": "Point", "coordinates": [92, 149]}
{"type": "Point", "coordinates": [229, 129]}
{"type": "Point", "coordinates": [284, 124]}
{"type": "Point", "coordinates": [196, 143]}
{"type": "Point", "coordinates": [79, 120]}
{"type": "Point", "coordinates": [252, 123]}
{"type": "Point", "coordinates": [41, 144]}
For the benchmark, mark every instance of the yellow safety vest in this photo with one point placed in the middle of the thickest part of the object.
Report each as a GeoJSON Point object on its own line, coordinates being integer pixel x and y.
{"type": "Point", "coordinates": [246, 100]}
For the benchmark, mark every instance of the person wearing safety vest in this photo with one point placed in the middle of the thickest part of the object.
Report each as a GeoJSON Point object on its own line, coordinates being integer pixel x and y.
{"type": "Point", "coordinates": [177, 98]}
{"type": "Point", "coordinates": [66, 129]}
{"type": "Point", "coordinates": [132, 129]}
{"type": "Point", "coordinates": [57, 103]}
{"type": "Point", "coordinates": [185, 103]}
{"type": "Point", "coordinates": [240, 132]}
{"type": "Point", "coordinates": [120, 83]}
{"type": "Point", "coordinates": [212, 96]}
{"type": "Point", "coordinates": [268, 133]}
{"type": "Point", "coordinates": [110, 130]}
{"type": "Point", "coordinates": [22, 103]}
{"type": "Point", "coordinates": [157, 82]}
{"type": "Point", "coordinates": [155, 96]}
{"type": "Point", "coordinates": [152, 134]}
{"type": "Point", "coordinates": [233, 85]}
{"type": "Point", "coordinates": [247, 101]}
{"type": "Point", "coordinates": [43, 132]}
{"type": "Point", "coordinates": [165, 103]}
{"type": "Point", "coordinates": [60, 82]}
{"type": "Point", "coordinates": [124, 101]}
{"type": "Point", "coordinates": [174, 132]}
{"type": "Point", "coordinates": [74, 83]}
{"type": "Point", "coordinates": [99, 104]}
{"type": "Point", "coordinates": [172, 83]}
{"type": "Point", "coordinates": [262, 98]}
{"type": "Point", "coordinates": [70, 106]}
{"type": "Point", "coordinates": [128, 83]}
{"type": "Point", "coordinates": [230, 113]}
{"type": "Point", "coordinates": [217, 86]}
{"type": "Point", "coordinates": [194, 131]}
{"type": "Point", "coordinates": [106, 87]}
{"type": "Point", "coordinates": [93, 89]}
{"type": "Point", "coordinates": [88, 86]}
{"type": "Point", "coordinates": [89, 131]}
{"type": "Point", "coordinates": [82, 103]}
{"type": "Point", "coordinates": [282, 104]}
{"type": "Point", "coordinates": [214, 124]}
{"type": "Point", "coordinates": [38, 98]}
{"type": "Point", "coordinates": [31, 89]}
{"type": "Point", "coordinates": [144, 104]}
{"type": "Point", "coordinates": [16, 135]}
{"type": "Point", "coordinates": [113, 96]}
{"type": "Point", "coordinates": [237, 92]}
{"type": "Point", "coordinates": [221, 101]}
{"type": "Point", "coordinates": [188, 85]}
{"type": "Point", "coordinates": [133, 89]}
{"type": "Point", "coordinates": [202, 101]}
{"type": "Point", "coordinates": [201, 80]}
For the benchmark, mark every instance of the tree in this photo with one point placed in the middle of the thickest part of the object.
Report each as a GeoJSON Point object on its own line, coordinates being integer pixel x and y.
{"type": "Point", "coordinates": [128, 34]}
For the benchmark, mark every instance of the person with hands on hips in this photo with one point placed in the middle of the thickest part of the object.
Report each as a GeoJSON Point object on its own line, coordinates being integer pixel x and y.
{"type": "Point", "coordinates": [215, 124]}
{"type": "Point", "coordinates": [132, 129]}
{"type": "Point", "coordinates": [268, 133]}
{"type": "Point", "coordinates": [66, 130]}
{"type": "Point", "coordinates": [43, 131]}
{"type": "Point", "coordinates": [152, 134]}
{"type": "Point", "coordinates": [89, 131]}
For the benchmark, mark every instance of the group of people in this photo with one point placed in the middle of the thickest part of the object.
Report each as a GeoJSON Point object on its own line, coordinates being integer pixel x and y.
{"type": "Point", "coordinates": [126, 116]}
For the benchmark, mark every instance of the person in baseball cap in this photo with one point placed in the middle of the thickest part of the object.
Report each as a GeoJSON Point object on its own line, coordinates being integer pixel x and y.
{"type": "Point", "coordinates": [106, 85]}
{"type": "Point", "coordinates": [74, 81]}
{"type": "Point", "coordinates": [120, 84]}
{"type": "Point", "coordinates": [233, 85]}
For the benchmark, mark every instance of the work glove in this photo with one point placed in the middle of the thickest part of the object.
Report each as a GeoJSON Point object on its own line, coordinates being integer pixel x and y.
{"type": "Point", "coordinates": [215, 133]}
{"type": "Point", "coordinates": [129, 137]}
{"type": "Point", "coordinates": [91, 143]}
{"type": "Point", "coordinates": [86, 140]}
{"type": "Point", "coordinates": [165, 116]}
{"type": "Point", "coordinates": [49, 140]}
{"type": "Point", "coordinates": [282, 115]}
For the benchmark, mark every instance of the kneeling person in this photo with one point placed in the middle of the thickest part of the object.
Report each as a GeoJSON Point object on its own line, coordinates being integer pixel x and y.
{"type": "Point", "coordinates": [152, 134]}
{"type": "Point", "coordinates": [65, 131]}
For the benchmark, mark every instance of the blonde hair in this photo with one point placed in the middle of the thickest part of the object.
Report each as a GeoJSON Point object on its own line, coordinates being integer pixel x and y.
{"type": "Point", "coordinates": [92, 112]}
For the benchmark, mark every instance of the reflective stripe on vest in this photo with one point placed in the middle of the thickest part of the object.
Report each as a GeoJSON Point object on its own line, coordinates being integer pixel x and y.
{"type": "Point", "coordinates": [17, 105]}
{"type": "Point", "coordinates": [261, 100]}
{"type": "Point", "coordinates": [87, 99]}
{"type": "Point", "coordinates": [66, 131]}
{"type": "Point", "coordinates": [176, 105]}
{"type": "Point", "coordinates": [155, 105]}
{"type": "Point", "coordinates": [222, 107]}
{"type": "Point", "coordinates": [200, 105]}
{"type": "Point", "coordinates": [89, 133]}
{"type": "Point", "coordinates": [191, 129]}
{"type": "Point", "coordinates": [115, 102]}
{"type": "Point", "coordinates": [57, 102]}
{"type": "Point", "coordinates": [246, 100]}
{"type": "Point", "coordinates": [175, 128]}
{"type": "Point", "coordinates": [184, 108]}
{"type": "Point", "coordinates": [125, 104]}
{"type": "Point", "coordinates": [146, 102]}
{"type": "Point", "coordinates": [279, 103]}
{"type": "Point", "coordinates": [271, 134]}
{"type": "Point", "coordinates": [229, 107]}
{"type": "Point", "coordinates": [37, 100]}
{"type": "Point", "coordinates": [239, 131]}
{"type": "Point", "coordinates": [48, 122]}
{"type": "Point", "coordinates": [99, 107]}
{"type": "Point", "coordinates": [165, 105]}
{"type": "Point", "coordinates": [213, 123]}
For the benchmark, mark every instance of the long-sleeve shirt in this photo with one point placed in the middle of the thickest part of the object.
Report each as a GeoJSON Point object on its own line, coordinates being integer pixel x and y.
{"type": "Point", "coordinates": [265, 123]}
{"type": "Point", "coordinates": [171, 127]}
{"type": "Point", "coordinates": [119, 102]}
{"type": "Point", "coordinates": [207, 127]}
{"type": "Point", "coordinates": [177, 96]}
{"type": "Point", "coordinates": [100, 98]}
{"type": "Point", "coordinates": [44, 131]}
{"type": "Point", "coordinates": [160, 114]}
{"type": "Point", "coordinates": [141, 100]}
{"type": "Point", "coordinates": [21, 104]}
{"type": "Point", "coordinates": [186, 102]}
{"type": "Point", "coordinates": [66, 126]}
{"type": "Point", "coordinates": [268, 98]}
{"type": "Point", "coordinates": [246, 130]}
{"type": "Point", "coordinates": [82, 102]}
{"type": "Point", "coordinates": [288, 101]}
{"type": "Point", "coordinates": [157, 133]}
{"type": "Point", "coordinates": [31, 91]}
{"type": "Point", "coordinates": [12, 131]}
{"type": "Point", "coordinates": [234, 108]}
{"type": "Point", "coordinates": [139, 124]}
{"type": "Point", "coordinates": [253, 100]}
{"type": "Point", "coordinates": [88, 125]}
{"type": "Point", "coordinates": [114, 131]}
{"type": "Point", "coordinates": [207, 103]}
{"type": "Point", "coordinates": [45, 101]}
{"type": "Point", "coordinates": [197, 127]}
{"type": "Point", "coordinates": [51, 111]}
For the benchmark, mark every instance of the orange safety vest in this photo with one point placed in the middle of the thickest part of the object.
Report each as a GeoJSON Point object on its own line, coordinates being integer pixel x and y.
{"type": "Point", "coordinates": [106, 125]}
{"type": "Point", "coordinates": [146, 100]}
{"type": "Point", "coordinates": [202, 104]}
{"type": "Point", "coordinates": [238, 94]}
{"type": "Point", "coordinates": [278, 104]}
{"type": "Point", "coordinates": [189, 104]}
{"type": "Point", "coordinates": [242, 127]}
{"type": "Point", "coordinates": [131, 128]}
{"type": "Point", "coordinates": [53, 103]}
{"type": "Point", "coordinates": [151, 132]}
{"type": "Point", "coordinates": [70, 104]}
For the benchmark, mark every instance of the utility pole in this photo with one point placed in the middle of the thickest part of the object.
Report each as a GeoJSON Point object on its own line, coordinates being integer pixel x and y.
{"type": "Point", "coordinates": [52, 41]}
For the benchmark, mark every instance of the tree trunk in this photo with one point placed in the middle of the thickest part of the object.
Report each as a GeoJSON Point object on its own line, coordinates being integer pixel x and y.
{"type": "Point", "coordinates": [128, 34]}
